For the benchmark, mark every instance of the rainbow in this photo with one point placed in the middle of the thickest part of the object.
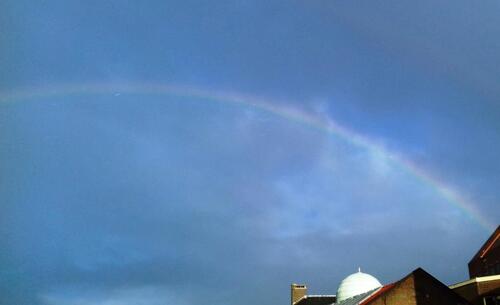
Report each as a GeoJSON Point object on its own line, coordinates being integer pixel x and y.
{"type": "Point", "coordinates": [270, 106]}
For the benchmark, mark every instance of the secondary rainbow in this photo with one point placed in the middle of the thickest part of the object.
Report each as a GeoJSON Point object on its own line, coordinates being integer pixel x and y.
{"type": "Point", "coordinates": [270, 106]}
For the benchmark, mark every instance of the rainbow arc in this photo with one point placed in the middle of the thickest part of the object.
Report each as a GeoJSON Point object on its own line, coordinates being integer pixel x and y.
{"type": "Point", "coordinates": [293, 114]}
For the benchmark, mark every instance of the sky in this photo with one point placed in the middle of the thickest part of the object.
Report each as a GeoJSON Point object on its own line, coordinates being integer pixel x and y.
{"type": "Point", "coordinates": [189, 152]}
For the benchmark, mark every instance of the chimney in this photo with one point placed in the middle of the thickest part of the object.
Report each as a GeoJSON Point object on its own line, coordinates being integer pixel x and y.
{"type": "Point", "coordinates": [298, 292]}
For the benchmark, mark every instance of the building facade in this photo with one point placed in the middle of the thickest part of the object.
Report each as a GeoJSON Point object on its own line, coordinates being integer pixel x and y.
{"type": "Point", "coordinates": [483, 290]}
{"type": "Point", "coordinates": [483, 287]}
{"type": "Point", "coordinates": [487, 259]}
{"type": "Point", "coordinates": [418, 287]}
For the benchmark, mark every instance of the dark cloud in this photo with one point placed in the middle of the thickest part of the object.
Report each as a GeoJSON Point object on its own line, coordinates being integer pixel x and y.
{"type": "Point", "coordinates": [148, 199]}
{"type": "Point", "coordinates": [216, 199]}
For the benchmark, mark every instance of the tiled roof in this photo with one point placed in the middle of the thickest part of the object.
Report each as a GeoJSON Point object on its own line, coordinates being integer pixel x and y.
{"type": "Point", "coordinates": [355, 300]}
{"type": "Point", "coordinates": [377, 293]}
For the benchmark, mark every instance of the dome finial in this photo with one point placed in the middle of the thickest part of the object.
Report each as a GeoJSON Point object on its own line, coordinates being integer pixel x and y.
{"type": "Point", "coordinates": [356, 284]}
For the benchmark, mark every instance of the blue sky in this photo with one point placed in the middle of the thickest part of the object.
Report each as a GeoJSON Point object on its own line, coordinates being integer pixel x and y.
{"type": "Point", "coordinates": [121, 197]}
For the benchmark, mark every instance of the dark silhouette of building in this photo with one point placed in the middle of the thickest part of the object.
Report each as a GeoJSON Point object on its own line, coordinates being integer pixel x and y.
{"type": "Point", "coordinates": [417, 288]}
{"type": "Point", "coordinates": [483, 287]}
{"type": "Point", "coordinates": [300, 297]}
{"type": "Point", "coordinates": [483, 290]}
{"type": "Point", "coordinates": [487, 259]}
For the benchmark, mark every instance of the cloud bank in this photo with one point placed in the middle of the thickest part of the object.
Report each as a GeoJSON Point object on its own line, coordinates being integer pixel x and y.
{"type": "Point", "coordinates": [109, 200]}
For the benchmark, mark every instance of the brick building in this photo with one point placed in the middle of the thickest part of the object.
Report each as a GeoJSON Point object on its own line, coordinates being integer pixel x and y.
{"type": "Point", "coordinates": [299, 296]}
{"type": "Point", "coordinates": [417, 288]}
{"type": "Point", "coordinates": [483, 290]}
{"type": "Point", "coordinates": [483, 287]}
{"type": "Point", "coordinates": [487, 259]}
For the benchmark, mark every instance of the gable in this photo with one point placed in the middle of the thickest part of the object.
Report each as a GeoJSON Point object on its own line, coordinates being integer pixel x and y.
{"type": "Point", "coordinates": [430, 291]}
{"type": "Point", "coordinates": [493, 242]}
{"type": "Point", "coordinates": [401, 292]}
{"type": "Point", "coordinates": [417, 288]}
{"type": "Point", "coordinates": [487, 259]}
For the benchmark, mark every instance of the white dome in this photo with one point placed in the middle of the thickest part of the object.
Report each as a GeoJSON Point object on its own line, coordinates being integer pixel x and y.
{"type": "Point", "coordinates": [356, 283]}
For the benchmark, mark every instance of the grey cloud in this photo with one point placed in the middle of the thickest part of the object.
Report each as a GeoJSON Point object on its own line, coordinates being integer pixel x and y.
{"type": "Point", "coordinates": [194, 200]}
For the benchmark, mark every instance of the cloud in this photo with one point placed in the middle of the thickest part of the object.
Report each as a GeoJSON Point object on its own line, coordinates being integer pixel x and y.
{"type": "Point", "coordinates": [211, 200]}
{"type": "Point", "coordinates": [150, 295]}
{"type": "Point", "coordinates": [208, 204]}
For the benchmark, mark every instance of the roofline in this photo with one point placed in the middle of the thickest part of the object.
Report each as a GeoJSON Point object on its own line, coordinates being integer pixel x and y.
{"type": "Point", "coordinates": [370, 295]}
{"type": "Point", "coordinates": [315, 296]}
{"type": "Point", "coordinates": [380, 291]}
{"type": "Point", "coordinates": [490, 244]}
{"type": "Point", "coordinates": [487, 244]}
{"type": "Point", "coordinates": [476, 280]}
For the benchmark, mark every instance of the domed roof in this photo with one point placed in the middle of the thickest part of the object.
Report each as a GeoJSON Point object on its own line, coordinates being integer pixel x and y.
{"type": "Point", "coordinates": [356, 283]}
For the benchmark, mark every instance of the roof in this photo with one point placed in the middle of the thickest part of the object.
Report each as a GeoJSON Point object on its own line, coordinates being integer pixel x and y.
{"type": "Point", "coordinates": [420, 277]}
{"type": "Point", "coordinates": [357, 299]}
{"type": "Point", "coordinates": [316, 300]}
{"type": "Point", "coordinates": [488, 245]}
{"type": "Point", "coordinates": [377, 293]}
{"type": "Point", "coordinates": [476, 280]}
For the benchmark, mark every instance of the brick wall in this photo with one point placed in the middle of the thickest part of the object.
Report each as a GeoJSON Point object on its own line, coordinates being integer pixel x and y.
{"type": "Point", "coordinates": [419, 288]}
{"type": "Point", "coordinates": [403, 293]}
{"type": "Point", "coordinates": [489, 288]}
{"type": "Point", "coordinates": [487, 260]}
{"type": "Point", "coordinates": [297, 292]}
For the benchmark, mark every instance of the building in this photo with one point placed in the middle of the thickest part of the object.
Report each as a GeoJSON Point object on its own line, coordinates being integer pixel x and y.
{"type": "Point", "coordinates": [483, 287]}
{"type": "Point", "coordinates": [487, 259]}
{"type": "Point", "coordinates": [416, 288]}
{"type": "Point", "coordinates": [483, 290]}
{"type": "Point", "coordinates": [300, 297]}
